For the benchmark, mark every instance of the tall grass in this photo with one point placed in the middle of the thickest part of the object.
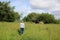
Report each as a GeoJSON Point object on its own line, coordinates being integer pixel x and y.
{"type": "Point", "coordinates": [9, 31]}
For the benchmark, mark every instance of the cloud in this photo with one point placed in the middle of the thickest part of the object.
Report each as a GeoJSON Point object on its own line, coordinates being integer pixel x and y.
{"type": "Point", "coordinates": [56, 14]}
{"type": "Point", "coordinates": [46, 4]}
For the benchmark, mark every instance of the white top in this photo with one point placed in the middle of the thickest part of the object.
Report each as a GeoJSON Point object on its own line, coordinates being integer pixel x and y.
{"type": "Point", "coordinates": [22, 25]}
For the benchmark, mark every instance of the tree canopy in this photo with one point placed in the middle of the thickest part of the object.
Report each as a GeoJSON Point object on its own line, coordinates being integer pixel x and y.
{"type": "Point", "coordinates": [37, 17]}
{"type": "Point", "coordinates": [7, 12]}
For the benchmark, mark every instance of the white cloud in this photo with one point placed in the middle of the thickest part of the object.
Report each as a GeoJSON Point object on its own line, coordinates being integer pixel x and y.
{"type": "Point", "coordinates": [56, 7]}
{"type": "Point", "coordinates": [43, 4]}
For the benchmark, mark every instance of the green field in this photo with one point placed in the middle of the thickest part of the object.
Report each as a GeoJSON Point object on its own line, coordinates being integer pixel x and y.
{"type": "Point", "coordinates": [9, 31]}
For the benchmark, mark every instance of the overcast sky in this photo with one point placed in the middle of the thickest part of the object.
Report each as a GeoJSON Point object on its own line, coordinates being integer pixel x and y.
{"type": "Point", "coordinates": [51, 6]}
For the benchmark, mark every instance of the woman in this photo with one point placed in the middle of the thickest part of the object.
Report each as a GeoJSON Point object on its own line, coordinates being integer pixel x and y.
{"type": "Point", "coordinates": [22, 26]}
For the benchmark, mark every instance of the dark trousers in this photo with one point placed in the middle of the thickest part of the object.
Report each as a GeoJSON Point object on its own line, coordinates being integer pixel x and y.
{"type": "Point", "coordinates": [21, 30]}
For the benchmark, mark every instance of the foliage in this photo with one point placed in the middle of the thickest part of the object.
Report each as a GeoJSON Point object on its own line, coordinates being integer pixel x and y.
{"type": "Point", "coordinates": [31, 17]}
{"type": "Point", "coordinates": [7, 12]}
{"type": "Point", "coordinates": [46, 18]}
{"type": "Point", "coordinates": [17, 16]}
{"type": "Point", "coordinates": [36, 18]}
{"type": "Point", "coordinates": [57, 21]}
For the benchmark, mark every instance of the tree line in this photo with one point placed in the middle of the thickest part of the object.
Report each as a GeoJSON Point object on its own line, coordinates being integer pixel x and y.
{"type": "Point", "coordinates": [46, 18]}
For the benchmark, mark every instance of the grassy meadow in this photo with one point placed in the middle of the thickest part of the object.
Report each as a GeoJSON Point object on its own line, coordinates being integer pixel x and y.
{"type": "Point", "coordinates": [9, 31]}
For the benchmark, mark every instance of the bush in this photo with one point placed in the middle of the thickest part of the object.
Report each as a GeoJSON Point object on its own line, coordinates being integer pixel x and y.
{"type": "Point", "coordinates": [36, 18]}
{"type": "Point", "coordinates": [57, 21]}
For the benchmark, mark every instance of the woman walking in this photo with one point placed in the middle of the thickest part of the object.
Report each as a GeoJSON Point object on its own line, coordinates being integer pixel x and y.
{"type": "Point", "coordinates": [22, 26]}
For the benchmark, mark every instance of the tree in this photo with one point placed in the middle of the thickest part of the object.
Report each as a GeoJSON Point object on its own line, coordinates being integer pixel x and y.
{"type": "Point", "coordinates": [31, 17]}
{"type": "Point", "coordinates": [57, 21]}
{"type": "Point", "coordinates": [17, 16]}
{"type": "Point", "coordinates": [7, 12]}
{"type": "Point", "coordinates": [46, 18]}
{"type": "Point", "coordinates": [36, 18]}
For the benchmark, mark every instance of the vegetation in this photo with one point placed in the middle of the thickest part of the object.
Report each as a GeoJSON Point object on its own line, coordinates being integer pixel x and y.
{"type": "Point", "coordinates": [58, 20]}
{"type": "Point", "coordinates": [31, 17]}
{"type": "Point", "coordinates": [36, 18]}
{"type": "Point", "coordinates": [7, 12]}
{"type": "Point", "coordinates": [9, 31]}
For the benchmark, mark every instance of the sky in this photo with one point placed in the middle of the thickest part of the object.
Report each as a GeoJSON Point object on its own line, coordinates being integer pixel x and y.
{"type": "Point", "coordinates": [27, 6]}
